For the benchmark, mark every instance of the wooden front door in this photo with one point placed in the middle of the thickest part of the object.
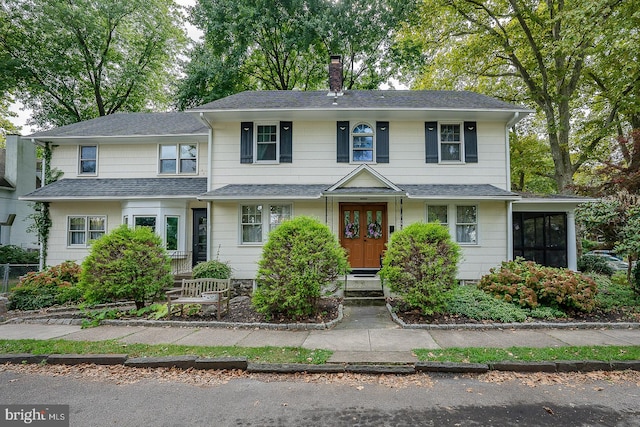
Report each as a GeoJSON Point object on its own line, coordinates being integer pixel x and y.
{"type": "Point", "coordinates": [363, 233]}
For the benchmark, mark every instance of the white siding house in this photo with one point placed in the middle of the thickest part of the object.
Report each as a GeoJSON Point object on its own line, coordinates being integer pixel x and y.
{"type": "Point", "coordinates": [213, 181]}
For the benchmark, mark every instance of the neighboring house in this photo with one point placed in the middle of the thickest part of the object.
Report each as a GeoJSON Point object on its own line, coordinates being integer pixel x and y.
{"type": "Point", "coordinates": [213, 181]}
{"type": "Point", "coordinates": [18, 176]}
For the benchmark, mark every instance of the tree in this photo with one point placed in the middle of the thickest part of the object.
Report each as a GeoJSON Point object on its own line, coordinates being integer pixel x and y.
{"type": "Point", "coordinates": [285, 45]}
{"type": "Point", "coordinates": [530, 164]}
{"type": "Point", "coordinates": [126, 263]}
{"type": "Point", "coordinates": [79, 59]}
{"type": "Point", "coordinates": [530, 50]}
{"type": "Point", "coordinates": [615, 221]}
{"type": "Point", "coordinates": [6, 127]}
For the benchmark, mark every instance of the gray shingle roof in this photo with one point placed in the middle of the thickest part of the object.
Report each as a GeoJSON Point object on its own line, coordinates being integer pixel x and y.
{"type": "Point", "coordinates": [119, 188]}
{"type": "Point", "coordinates": [131, 124]}
{"type": "Point", "coordinates": [267, 191]}
{"type": "Point", "coordinates": [299, 191]}
{"type": "Point", "coordinates": [453, 191]}
{"type": "Point", "coordinates": [359, 99]}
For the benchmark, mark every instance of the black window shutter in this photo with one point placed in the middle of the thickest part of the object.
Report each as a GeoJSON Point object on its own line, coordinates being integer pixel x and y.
{"type": "Point", "coordinates": [343, 142]}
{"type": "Point", "coordinates": [286, 142]}
{"type": "Point", "coordinates": [470, 142]}
{"type": "Point", "coordinates": [431, 141]}
{"type": "Point", "coordinates": [382, 142]}
{"type": "Point", "coordinates": [246, 142]}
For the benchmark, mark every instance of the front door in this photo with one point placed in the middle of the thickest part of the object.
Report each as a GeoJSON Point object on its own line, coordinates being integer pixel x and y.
{"type": "Point", "coordinates": [363, 233]}
{"type": "Point", "coordinates": [199, 235]}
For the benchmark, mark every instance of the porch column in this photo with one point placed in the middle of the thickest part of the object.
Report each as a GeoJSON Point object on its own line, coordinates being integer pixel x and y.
{"type": "Point", "coordinates": [572, 252]}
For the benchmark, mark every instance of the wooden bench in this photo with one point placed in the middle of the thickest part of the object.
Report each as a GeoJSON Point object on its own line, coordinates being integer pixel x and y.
{"type": "Point", "coordinates": [215, 292]}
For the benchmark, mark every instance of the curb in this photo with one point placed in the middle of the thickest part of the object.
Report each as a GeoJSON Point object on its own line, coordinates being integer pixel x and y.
{"type": "Point", "coordinates": [241, 363]}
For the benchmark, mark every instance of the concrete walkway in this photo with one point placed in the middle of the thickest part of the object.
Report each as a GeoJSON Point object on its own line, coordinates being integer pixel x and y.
{"type": "Point", "coordinates": [366, 335]}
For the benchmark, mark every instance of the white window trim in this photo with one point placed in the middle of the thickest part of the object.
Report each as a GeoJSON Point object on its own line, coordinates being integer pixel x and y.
{"type": "Point", "coordinates": [255, 143]}
{"type": "Point", "coordinates": [80, 173]}
{"type": "Point", "coordinates": [178, 237]}
{"type": "Point", "coordinates": [178, 158]}
{"type": "Point", "coordinates": [446, 224]}
{"type": "Point", "coordinates": [440, 142]}
{"type": "Point", "coordinates": [266, 220]}
{"type": "Point", "coordinates": [351, 149]}
{"type": "Point", "coordinates": [477, 224]}
{"type": "Point", "coordinates": [86, 231]}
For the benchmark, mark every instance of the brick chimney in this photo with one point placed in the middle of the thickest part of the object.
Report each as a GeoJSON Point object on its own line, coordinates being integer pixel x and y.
{"type": "Point", "coordinates": [335, 75]}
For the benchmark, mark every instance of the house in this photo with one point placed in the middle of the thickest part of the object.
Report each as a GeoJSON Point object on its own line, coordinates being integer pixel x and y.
{"type": "Point", "coordinates": [18, 176]}
{"type": "Point", "coordinates": [214, 180]}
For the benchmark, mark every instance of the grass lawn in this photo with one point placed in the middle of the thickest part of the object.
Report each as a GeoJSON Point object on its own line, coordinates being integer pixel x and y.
{"type": "Point", "coordinates": [257, 355]}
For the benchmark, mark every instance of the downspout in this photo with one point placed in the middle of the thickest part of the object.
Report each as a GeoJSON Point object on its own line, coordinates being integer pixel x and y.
{"type": "Point", "coordinates": [41, 260]}
{"type": "Point", "coordinates": [209, 185]}
{"type": "Point", "coordinates": [509, 125]}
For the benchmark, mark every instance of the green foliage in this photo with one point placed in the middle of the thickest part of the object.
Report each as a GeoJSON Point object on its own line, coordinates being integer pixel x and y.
{"type": "Point", "coordinates": [300, 257]}
{"type": "Point", "coordinates": [472, 302]}
{"type": "Point", "coordinates": [72, 61]}
{"type": "Point", "coordinates": [635, 279]}
{"type": "Point", "coordinates": [128, 263]}
{"type": "Point", "coordinates": [55, 285]}
{"type": "Point", "coordinates": [213, 269]}
{"type": "Point", "coordinates": [11, 254]}
{"type": "Point", "coordinates": [594, 264]}
{"type": "Point", "coordinates": [285, 45]}
{"type": "Point", "coordinates": [420, 265]}
{"type": "Point", "coordinates": [614, 293]}
{"type": "Point", "coordinates": [153, 311]}
{"type": "Point", "coordinates": [531, 285]}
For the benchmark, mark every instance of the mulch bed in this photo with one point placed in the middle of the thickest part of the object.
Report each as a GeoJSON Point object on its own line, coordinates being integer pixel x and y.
{"type": "Point", "coordinates": [241, 311]}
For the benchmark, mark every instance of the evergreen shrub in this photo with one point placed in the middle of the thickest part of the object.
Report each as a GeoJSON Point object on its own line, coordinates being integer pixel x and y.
{"type": "Point", "coordinates": [420, 265]}
{"type": "Point", "coordinates": [213, 269]}
{"type": "Point", "coordinates": [128, 263]}
{"type": "Point", "coordinates": [300, 257]}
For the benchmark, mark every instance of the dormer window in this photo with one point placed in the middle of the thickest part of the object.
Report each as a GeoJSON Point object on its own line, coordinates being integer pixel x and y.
{"type": "Point", "coordinates": [362, 143]}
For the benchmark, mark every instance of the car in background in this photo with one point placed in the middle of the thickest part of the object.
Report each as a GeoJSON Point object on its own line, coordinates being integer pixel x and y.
{"type": "Point", "coordinates": [615, 262]}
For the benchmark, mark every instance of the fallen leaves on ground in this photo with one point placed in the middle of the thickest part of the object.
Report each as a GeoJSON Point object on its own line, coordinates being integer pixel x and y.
{"type": "Point", "coordinates": [569, 379]}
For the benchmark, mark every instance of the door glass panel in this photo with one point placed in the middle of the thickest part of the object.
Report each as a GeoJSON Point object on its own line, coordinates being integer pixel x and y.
{"type": "Point", "coordinates": [374, 225]}
{"type": "Point", "coordinates": [351, 225]}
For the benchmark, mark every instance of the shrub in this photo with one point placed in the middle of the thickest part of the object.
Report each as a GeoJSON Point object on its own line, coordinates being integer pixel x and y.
{"type": "Point", "coordinates": [212, 269]}
{"type": "Point", "coordinates": [11, 254]}
{"type": "Point", "coordinates": [300, 257]}
{"type": "Point", "coordinates": [55, 285]}
{"type": "Point", "coordinates": [594, 264]}
{"type": "Point", "coordinates": [420, 265]}
{"type": "Point", "coordinates": [531, 285]}
{"type": "Point", "coordinates": [128, 263]}
{"type": "Point", "coordinates": [635, 279]}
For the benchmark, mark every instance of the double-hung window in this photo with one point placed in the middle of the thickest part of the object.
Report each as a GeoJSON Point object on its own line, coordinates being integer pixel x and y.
{"type": "Point", "coordinates": [467, 224]}
{"type": "Point", "coordinates": [450, 142]}
{"type": "Point", "coordinates": [81, 230]}
{"type": "Point", "coordinates": [266, 142]}
{"type": "Point", "coordinates": [259, 219]}
{"type": "Point", "coordinates": [178, 159]}
{"type": "Point", "coordinates": [88, 159]}
{"type": "Point", "coordinates": [362, 143]}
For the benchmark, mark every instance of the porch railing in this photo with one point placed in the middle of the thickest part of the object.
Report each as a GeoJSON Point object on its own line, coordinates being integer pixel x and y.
{"type": "Point", "coordinates": [181, 262]}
